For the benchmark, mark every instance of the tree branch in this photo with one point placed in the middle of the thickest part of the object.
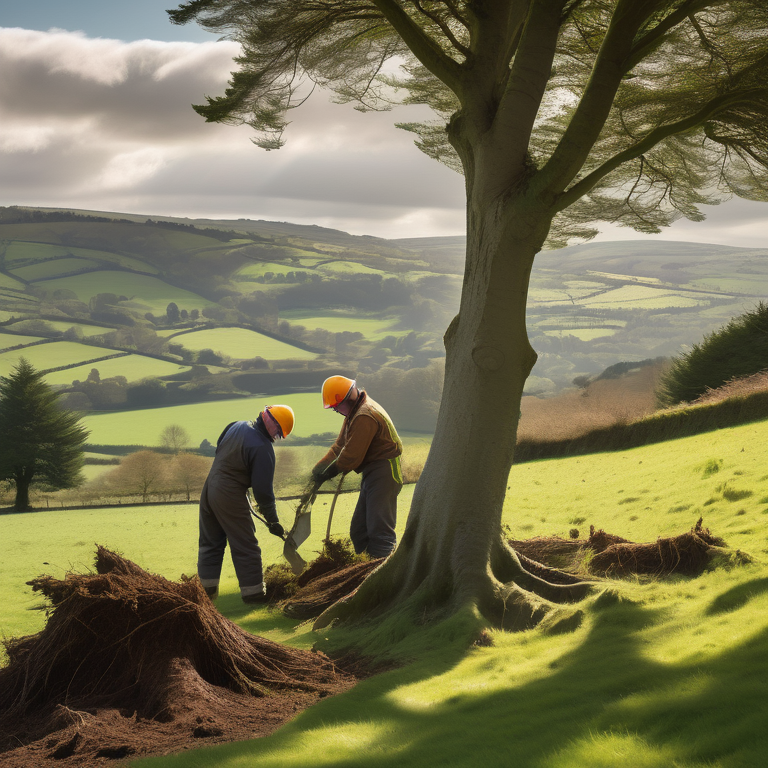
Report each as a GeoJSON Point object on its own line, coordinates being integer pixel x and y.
{"type": "Point", "coordinates": [535, 38]}
{"type": "Point", "coordinates": [648, 41]}
{"type": "Point", "coordinates": [444, 27]}
{"type": "Point", "coordinates": [423, 47]}
{"type": "Point", "coordinates": [708, 111]}
{"type": "Point", "coordinates": [597, 99]}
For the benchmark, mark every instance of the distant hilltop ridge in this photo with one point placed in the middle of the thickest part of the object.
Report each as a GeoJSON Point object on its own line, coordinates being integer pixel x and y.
{"type": "Point", "coordinates": [643, 258]}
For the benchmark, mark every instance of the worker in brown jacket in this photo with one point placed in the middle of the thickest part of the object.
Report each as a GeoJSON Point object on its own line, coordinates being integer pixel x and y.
{"type": "Point", "coordinates": [367, 443]}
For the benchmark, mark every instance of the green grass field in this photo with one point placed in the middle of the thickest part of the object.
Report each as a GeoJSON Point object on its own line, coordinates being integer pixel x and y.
{"type": "Point", "coordinates": [585, 334]}
{"type": "Point", "coordinates": [371, 327]}
{"type": "Point", "coordinates": [133, 367]}
{"type": "Point", "coordinates": [20, 253]}
{"type": "Point", "coordinates": [64, 325]}
{"type": "Point", "coordinates": [205, 420]}
{"type": "Point", "coordinates": [259, 268]}
{"type": "Point", "coordinates": [14, 339]}
{"type": "Point", "coordinates": [6, 281]}
{"type": "Point", "coordinates": [51, 355]}
{"type": "Point", "coordinates": [349, 268]}
{"type": "Point", "coordinates": [241, 344]}
{"type": "Point", "coordinates": [143, 291]}
{"type": "Point", "coordinates": [53, 268]}
{"type": "Point", "coordinates": [749, 285]}
{"type": "Point", "coordinates": [645, 297]}
{"type": "Point", "coordinates": [660, 673]}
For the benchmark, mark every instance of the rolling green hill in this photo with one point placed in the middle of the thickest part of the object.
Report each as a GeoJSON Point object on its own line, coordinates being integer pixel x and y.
{"type": "Point", "coordinates": [313, 299]}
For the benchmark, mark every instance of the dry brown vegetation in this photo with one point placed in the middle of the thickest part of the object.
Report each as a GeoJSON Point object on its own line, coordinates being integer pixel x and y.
{"type": "Point", "coordinates": [744, 387]}
{"type": "Point", "coordinates": [602, 403]}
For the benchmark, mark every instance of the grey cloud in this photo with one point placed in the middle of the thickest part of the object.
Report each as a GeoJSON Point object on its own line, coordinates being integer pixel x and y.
{"type": "Point", "coordinates": [124, 88]}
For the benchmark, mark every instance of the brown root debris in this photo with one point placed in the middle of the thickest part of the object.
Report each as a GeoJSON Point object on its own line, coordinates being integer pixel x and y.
{"type": "Point", "coordinates": [334, 574]}
{"type": "Point", "coordinates": [131, 664]}
{"type": "Point", "coordinates": [322, 592]}
{"type": "Point", "coordinates": [606, 554]}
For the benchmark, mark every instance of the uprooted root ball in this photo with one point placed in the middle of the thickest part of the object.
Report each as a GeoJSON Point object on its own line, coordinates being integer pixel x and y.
{"type": "Point", "coordinates": [606, 554]}
{"type": "Point", "coordinates": [124, 639]}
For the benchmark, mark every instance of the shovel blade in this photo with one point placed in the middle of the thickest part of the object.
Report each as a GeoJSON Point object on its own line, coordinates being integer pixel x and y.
{"type": "Point", "coordinates": [295, 560]}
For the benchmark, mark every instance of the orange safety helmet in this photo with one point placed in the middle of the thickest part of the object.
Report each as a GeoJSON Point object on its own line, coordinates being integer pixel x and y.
{"type": "Point", "coordinates": [336, 390]}
{"type": "Point", "coordinates": [283, 415]}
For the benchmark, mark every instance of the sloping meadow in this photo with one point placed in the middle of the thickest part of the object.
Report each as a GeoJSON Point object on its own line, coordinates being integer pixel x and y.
{"type": "Point", "coordinates": [655, 671]}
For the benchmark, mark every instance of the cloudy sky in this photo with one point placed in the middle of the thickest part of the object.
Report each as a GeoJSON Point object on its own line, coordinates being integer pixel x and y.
{"type": "Point", "coordinates": [95, 113]}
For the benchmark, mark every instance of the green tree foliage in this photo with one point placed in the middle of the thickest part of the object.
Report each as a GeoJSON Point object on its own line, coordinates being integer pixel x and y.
{"type": "Point", "coordinates": [738, 349]}
{"type": "Point", "coordinates": [559, 113]}
{"type": "Point", "coordinates": [172, 313]}
{"type": "Point", "coordinates": [40, 442]}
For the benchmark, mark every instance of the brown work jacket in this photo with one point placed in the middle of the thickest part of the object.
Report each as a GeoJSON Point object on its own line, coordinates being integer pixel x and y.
{"type": "Point", "coordinates": [367, 435]}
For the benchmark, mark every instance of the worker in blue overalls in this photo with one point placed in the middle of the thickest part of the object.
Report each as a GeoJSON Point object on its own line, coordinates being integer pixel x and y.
{"type": "Point", "coordinates": [244, 458]}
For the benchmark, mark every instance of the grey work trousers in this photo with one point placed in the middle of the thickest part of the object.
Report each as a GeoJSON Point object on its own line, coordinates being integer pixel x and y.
{"type": "Point", "coordinates": [372, 529]}
{"type": "Point", "coordinates": [225, 516]}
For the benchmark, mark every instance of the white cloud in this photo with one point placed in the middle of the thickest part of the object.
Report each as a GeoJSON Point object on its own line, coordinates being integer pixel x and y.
{"type": "Point", "coordinates": [108, 125]}
{"type": "Point", "coordinates": [97, 123]}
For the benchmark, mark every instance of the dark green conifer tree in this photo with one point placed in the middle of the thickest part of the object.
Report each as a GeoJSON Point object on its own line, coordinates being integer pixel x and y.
{"type": "Point", "coordinates": [40, 441]}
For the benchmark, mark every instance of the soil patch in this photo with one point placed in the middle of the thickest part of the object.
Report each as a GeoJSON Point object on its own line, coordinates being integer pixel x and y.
{"type": "Point", "coordinates": [130, 664]}
{"type": "Point", "coordinates": [606, 554]}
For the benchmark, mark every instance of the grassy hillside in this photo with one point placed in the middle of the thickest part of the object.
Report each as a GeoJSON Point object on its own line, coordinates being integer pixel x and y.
{"type": "Point", "coordinates": [655, 673]}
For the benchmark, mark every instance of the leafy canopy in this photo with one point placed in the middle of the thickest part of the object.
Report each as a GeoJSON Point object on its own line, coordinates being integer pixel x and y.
{"type": "Point", "coordinates": [635, 112]}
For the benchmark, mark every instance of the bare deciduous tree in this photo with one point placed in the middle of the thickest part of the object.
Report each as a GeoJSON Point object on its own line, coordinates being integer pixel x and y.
{"type": "Point", "coordinates": [175, 437]}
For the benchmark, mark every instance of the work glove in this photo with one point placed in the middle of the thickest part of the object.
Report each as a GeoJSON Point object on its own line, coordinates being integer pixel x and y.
{"type": "Point", "coordinates": [277, 530]}
{"type": "Point", "coordinates": [321, 474]}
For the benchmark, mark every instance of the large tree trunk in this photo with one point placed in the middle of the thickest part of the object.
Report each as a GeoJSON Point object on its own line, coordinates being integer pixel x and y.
{"type": "Point", "coordinates": [452, 555]}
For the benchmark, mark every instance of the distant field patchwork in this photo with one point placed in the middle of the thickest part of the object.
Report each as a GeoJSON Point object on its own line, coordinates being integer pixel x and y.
{"type": "Point", "coordinates": [143, 291]}
{"type": "Point", "coordinates": [585, 334]}
{"type": "Point", "coordinates": [242, 344]}
{"type": "Point", "coordinates": [6, 281]}
{"type": "Point", "coordinates": [645, 297]}
{"type": "Point", "coordinates": [349, 268]}
{"type": "Point", "coordinates": [133, 367]}
{"type": "Point", "coordinates": [370, 327]}
{"type": "Point", "coordinates": [205, 420]}
{"type": "Point", "coordinates": [65, 325]}
{"type": "Point", "coordinates": [51, 355]}
{"type": "Point", "coordinates": [20, 254]}
{"type": "Point", "coordinates": [14, 339]}
{"type": "Point", "coordinates": [53, 268]}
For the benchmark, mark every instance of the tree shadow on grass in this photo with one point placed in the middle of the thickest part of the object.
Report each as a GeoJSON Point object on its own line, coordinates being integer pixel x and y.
{"type": "Point", "coordinates": [688, 714]}
{"type": "Point", "coordinates": [737, 596]}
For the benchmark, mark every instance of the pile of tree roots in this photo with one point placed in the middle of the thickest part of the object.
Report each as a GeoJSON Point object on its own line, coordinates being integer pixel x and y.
{"type": "Point", "coordinates": [125, 641]}
{"type": "Point", "coordinates": [336, 573]}
{"type": "Point", "coordinates": [605, 554]}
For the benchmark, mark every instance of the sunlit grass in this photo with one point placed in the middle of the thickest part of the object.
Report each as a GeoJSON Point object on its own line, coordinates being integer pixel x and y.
{"type": "Point", "coordinates": [143, 291]}
{"type": "Point", "coordinates": [241, 344]}
{"type": "Point", "coordinates": [206, 420]}
{"type": "Point", "coordinates": [661, 673]}
{"type": "Point", "coordinates": [52, 355]}
{"type": "Point", "coordinates": [133, 367]}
